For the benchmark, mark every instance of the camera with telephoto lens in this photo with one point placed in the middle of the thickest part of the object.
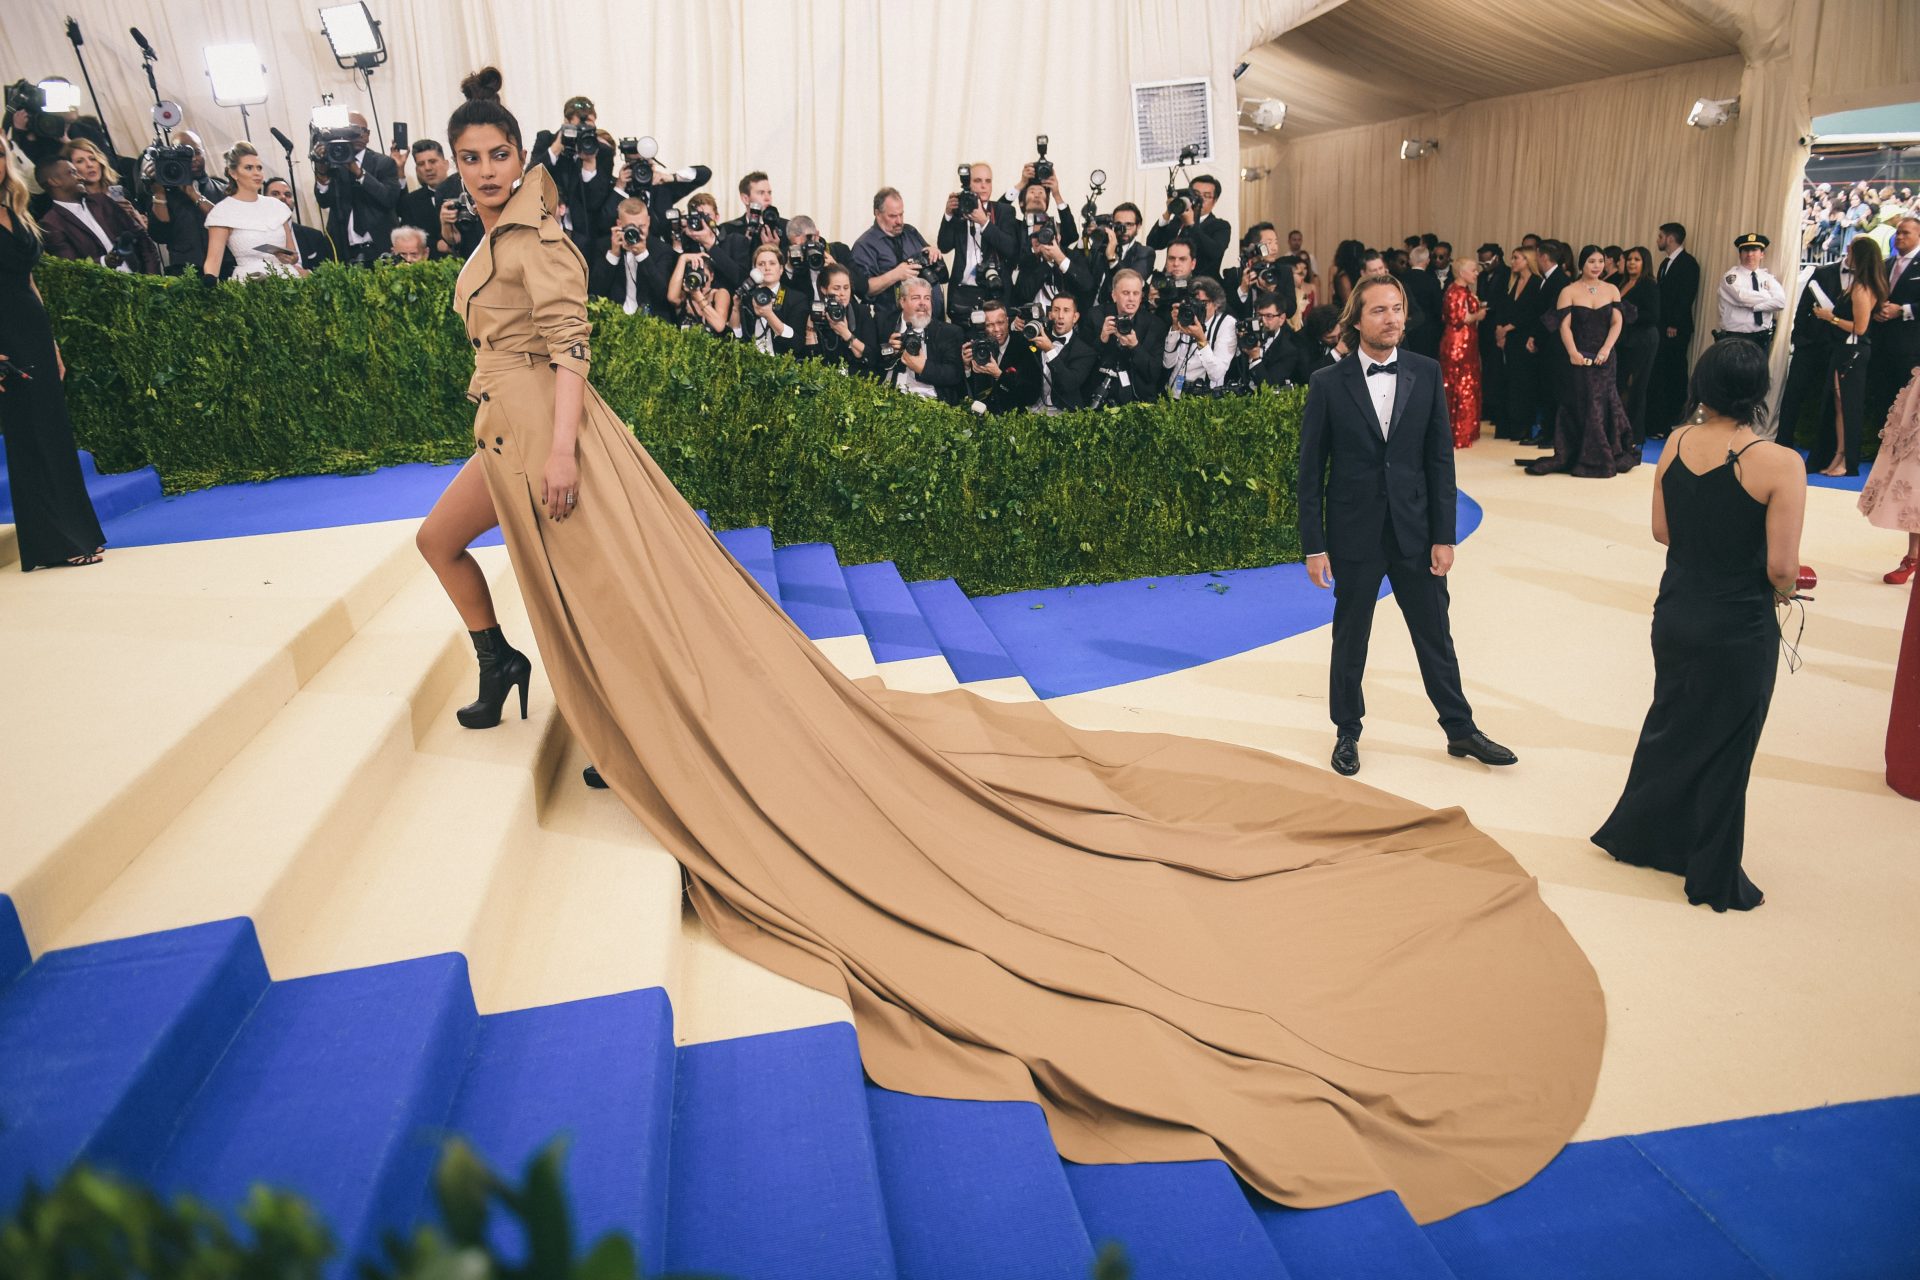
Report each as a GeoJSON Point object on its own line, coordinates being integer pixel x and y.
{"type": "Point", "coordinates": [810, 253]}
{"type": "Point", "coordinates": [934, 270]}
{"type": "Point", "coordinates": [1100, 234]}
{"type": "Point", "coordinates": [1043, 167]}
{"type": "Point", "coordinates": [912, 342]}
{"type": "Point", "coordinates": [990, 275]}
{"type": "Point", "coordinates": [968, 201]}
{"type": "Point", "coordinates": [1040, 229]}
{"type": "Point", "coordinates": [979, 346]}
{"type": "Point", "coordinates": [630, 235]}
{"type": "Point", "coordinates": [1180, 199]}
{"type": "Point", "coordinates": [173, 166]}
{"type": "Point", "coordinates": [579, 139]}
{"type": "Point", "coordinates": [25, 95]}
{"type": "Point", "coordinates": [834, 309]}
{"type": "Point", "coordinates": [1032, 323]}
{"type": "Point", "coordinates": [466, 215]}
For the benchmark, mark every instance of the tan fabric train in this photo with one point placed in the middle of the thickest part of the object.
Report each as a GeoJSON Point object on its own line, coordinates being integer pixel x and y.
{"type": "Point", "coordinates": [1179, 949]}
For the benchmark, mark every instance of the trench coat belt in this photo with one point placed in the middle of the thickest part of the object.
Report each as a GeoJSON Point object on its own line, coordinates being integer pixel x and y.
{"type": "Point", "coordinates": [490, 365]}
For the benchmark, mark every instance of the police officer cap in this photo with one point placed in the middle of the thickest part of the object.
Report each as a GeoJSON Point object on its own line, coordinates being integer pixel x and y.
{"type": "Point", "coordinates": [1751, 240]}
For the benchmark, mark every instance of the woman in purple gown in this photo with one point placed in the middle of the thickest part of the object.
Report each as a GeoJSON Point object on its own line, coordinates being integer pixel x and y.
{"type": "Point", "coordinates": [1591, 433]}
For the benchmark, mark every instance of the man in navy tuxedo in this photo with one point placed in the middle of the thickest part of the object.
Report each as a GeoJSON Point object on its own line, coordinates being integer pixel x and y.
{"type": "Point", "coordinates": [1377, 500]}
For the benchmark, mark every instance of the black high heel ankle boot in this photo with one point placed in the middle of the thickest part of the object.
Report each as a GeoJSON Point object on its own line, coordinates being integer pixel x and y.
{"type": "Point", "coordinates": [501, 668]}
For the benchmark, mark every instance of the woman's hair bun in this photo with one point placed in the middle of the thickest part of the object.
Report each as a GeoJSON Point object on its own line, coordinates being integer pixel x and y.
{"type": "Point", "coordinates": [482, 86]}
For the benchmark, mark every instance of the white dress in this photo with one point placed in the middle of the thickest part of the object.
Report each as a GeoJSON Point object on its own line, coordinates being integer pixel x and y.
{"type": "Point", "coordinates": [261, 220]}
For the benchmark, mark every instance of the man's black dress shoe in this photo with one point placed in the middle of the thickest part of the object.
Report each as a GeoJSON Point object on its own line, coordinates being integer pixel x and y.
{"type": "Point", "coordinates": [1346, 756]}
{"type": "Point", "coordinates": [1482, 748]}
{"type": "Point", "coordinates": [591, 776]}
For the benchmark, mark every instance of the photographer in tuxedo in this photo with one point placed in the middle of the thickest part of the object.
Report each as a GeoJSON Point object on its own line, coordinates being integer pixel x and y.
{"type": "Point", "coordinates": [582, 164]}
{"type": "Point", "coordinates": [1067, 357]}
{"type": "Point", "coordinates": [659, 186]}
{"type": "Point", "coordinates": [1047, 268]}
{"type": "Point", "coordinates": [632, 269]}
{"type": "Point", "coordinates": [1807, 368]}
{"type": "Point", "coordinates": [840, 329]}
{"type": "Point", "coordinates": [1209, 234]}
{"type": "Point", "coordinates": [921, 355]}
{"type": "Point", "coordinates": [1278, 360]}
{"type": "Point", "coordinates": [360, 197]}
{"type": "Point", "coordinates": [420, 207]}
{"type": "Point", "coordinates": [1262, 274]}
{"type": "Point", "coordinates": [892, 250]}
{"type": "Point", "coordinates": [983, 235]}
{"type": "Point", "coordinates": [1124, 252]}
{"type": "Point", "coordinates": [177, 216]}
{"type": "Point", "coordinates": [1003, 369]}
{"type": "Point", "coordinates": [1377, 500]}
{"type": "Point", "coordinates": [1131, 340]}
{"type": "Point", "coordinates": [1200, 342]}
{"type": "Point", "coordinates": [1175, 282]}
{"type": "Point", "coordinates": [759, 224]}
{"type": "Point", "coordinates": [809, 253]}
{"type": "Point", "coordinates": [1895, 331]}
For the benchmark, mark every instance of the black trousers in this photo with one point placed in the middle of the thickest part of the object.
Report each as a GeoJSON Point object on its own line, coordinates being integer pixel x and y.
{"type": "Point", "coordinates": [1667, 388]}
{"type": "Point", "coordinates": [1890, 371]}
{"type": "Point", "coordinates": [1633, 358]}
{"type": "Point", "coordinates": [1805, 384]}
{"type": "Point", "coordinates": [1423, 599]}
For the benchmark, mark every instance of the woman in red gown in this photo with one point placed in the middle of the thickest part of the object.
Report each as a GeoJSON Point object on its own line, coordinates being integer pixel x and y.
{"type": "Point", "coordinates": [1461, 314]}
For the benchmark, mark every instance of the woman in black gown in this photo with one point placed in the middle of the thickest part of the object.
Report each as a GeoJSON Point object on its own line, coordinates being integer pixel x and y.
{"type": "Point", "coordinates": [53, 517]}
{"type": "Point", "coordinates": [1591, 435]}
{"type": "Point", "coordinates": [1728, 506]}
{"type": "Point", "coordinates": [1515, 316]}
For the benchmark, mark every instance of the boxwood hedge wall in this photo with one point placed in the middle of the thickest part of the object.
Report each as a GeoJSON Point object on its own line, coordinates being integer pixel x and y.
{"type": "Point", "coordinates": [353, 369]}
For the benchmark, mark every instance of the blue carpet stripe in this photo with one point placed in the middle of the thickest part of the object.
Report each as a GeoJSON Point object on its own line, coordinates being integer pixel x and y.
{"type": "Point", "coordinates": [112, 495]}
{"type": "Point", "coordinates": [171, 1056]}
{"type": "Point", "coordinates": [813, 588]}
{"type": "Point", "coordinates": [970, 646]}
{"type": "Point", "coordinates": [888, 615]}
{"type": "Point", "coordinates": [753, 548]}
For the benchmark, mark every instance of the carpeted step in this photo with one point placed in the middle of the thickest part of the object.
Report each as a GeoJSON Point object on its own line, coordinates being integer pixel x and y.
{"type": "Point", "coordinates": [1832, 1192]}
{"type": "Point", "coordinates": [1601, 1210]}
{"type": "Point", "coordinates": [972, 650]}
{"type": "Point", "coordinates": [813, 590]}
{"type": "Point", "coordinates": [974, 1189]}
{"type": "Point", "coordinates": [753, 548]}
{"type": "Point", "coordinates": [895, 629]}
{"type": "Point", "coordinates": [1374, 1236]}
{"type": "Point", "coordinates": [102, 1047]}
{"type": "Point", "coordinates": [1176, 1220]}
{"type": "Point", "coordinates": [337, 1088]}
{"type": "Point", "coordinates": [773, 1167]}
{"type": "Point", "coordinates": [598, 1074]}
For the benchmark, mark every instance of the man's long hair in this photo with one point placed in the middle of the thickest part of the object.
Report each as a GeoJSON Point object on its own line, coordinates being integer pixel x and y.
{"type": "Point", "coordinates": [1350, 318]}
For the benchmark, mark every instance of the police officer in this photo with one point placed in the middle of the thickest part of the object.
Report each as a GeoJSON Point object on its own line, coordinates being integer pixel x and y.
{"type": "Point", "coordinates": [1750, 297]}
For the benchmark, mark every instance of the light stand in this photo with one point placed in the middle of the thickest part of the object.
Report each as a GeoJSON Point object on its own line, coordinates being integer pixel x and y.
{"type": "Point", "coordinates": [76, 39]}
{"type": "Point", "coordinates": [357, 45]}
{"type": "Point", "coordinates": [239, 79]}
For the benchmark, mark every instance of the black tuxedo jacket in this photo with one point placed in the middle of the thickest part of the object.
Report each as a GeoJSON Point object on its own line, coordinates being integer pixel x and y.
{"type": "Point", "coordinates": [1134, 257]}
{"type": "Point", "coordinates": [944, 372]}
{"type": "Point", "coordinates": [1211, 236]}
{"type": "Point", "coordinates": [609, 280]}
{"type": "Point", "coordinates": [315, 248]}
{"type": "Point", "coordinates": [1810, 333]}
{"type": "Point", "coordinates": [1018, 385]}
{"type": "Point", "coordinates": [1003, 236]}
{"type": "Point", "coordinates": [1281, 361]}
{"type": "Point", "coordinates": [1679, 290]}
{"type": "Point", "coordinates": [1071, 370]}
{"type": "Point", "coordinates": [1424, 321]}
{"type": "Point", "coordinates": [1073, 276]}
{"type": "Point", "coordinates": [1142, 365]}
{"type": "Point", "coordinates": [371, 202]}
{"type": "Point", "coordinates": [66, 236]}
{"type": "Point", "coordinates": [1899, 338]}
{"type": "Point", "coordinates": [1352, 478]}
{"type": "Point", "coordinates": [662, 196]}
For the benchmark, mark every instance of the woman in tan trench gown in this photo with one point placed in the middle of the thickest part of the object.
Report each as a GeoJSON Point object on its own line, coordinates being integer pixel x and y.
{"type": "Point", "coordinates": [1180, 949]}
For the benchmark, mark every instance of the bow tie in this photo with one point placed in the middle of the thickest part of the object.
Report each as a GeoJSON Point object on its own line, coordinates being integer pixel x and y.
{"type": "Point", "coordinates": [1379, 368]}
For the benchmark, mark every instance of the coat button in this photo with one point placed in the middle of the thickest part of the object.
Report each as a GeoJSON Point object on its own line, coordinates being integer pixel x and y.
{"type": "Point", "coordinates": [486, 395]}
{"type": "Point", "coordinates": [499, 439]}
{"type": "Point", "coordinates": [476, 342]}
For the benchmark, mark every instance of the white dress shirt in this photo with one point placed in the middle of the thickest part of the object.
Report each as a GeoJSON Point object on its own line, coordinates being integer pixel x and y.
{"type": "Point", "coordinates": [1382, 387]}
{"type": "Point", "coordinates": [1897, 267]}
{"type": "Point", "coordinates": [1200, 365]}
{"type": "Point", "coordinates": [906, 380]}
{"type": "Point", "coordinates": [632, 304]}
{"type": "Point", "coordinates": [354, 234]}
{"type": "Point", "coordinates": [1749, 300]}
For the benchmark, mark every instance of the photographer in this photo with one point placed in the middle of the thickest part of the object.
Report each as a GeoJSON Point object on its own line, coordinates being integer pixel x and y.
{"type": "Point", "coordinates": [314, 246]}
{"type": "Point", "coordinates": [177, 215]}
{"type": "Point", "coordinates": [760, 224]}
{"type": "Point", "coordinates": [694, 297]}
{"type": "Point", "coordinates": [1067, 357]}
{"type": "Point", "coordinates": [764, 312]}
{"type": "Point", "coordinates": [1131, 339]}
{"type": "Point", "coordinates": [892, 250]}
{"type": "Point", "coordinates": [407, 245]}
{"type": "Point", "coordinates": [1262, 274]}
{"type": "Point", "coordinates": [1322, 343]}
{"type": "Point", "coordinates": [809, 253]}
{"type": "Point", "coordinates": [921, 355]}
{"type": "Point", "coordinates": [1003, 369]}
{"type": "Point", "coordinates": [1190, 214]}
{"type": "Point", "coordinates": [1176, 280]}
{"type": "Point", "coordinates": [632, 270]}
{"type": "Point", "coordinates": [1200, 341]}
{"type": "Point", "coordinates": [1044, 198]}
{"type": "Point", "coordinates": [839, 330]}
{"type": "Point", "coordinates": [360, 196]}
{"type": "Point", "coordinates": [1046, 268]}
{"type": "Point", "coordinates": [420, 207]}
{"type": "Point", "coordinates": [1274, 357]}
{"type": "Point", "coordinates": [38, 133]}
{"type": "Point", "coordinates": [983, 235]}
{"type": "Point", "coordinates": [698, 231]}
{"type": "Point", "coordinates": [649, 178]}
{"type": "Point", "coordinates": [581, 160]}
{"type": "Point", "coordinates": [89, 227]}
{"type": "Point", "coordinates": [1119, 250]}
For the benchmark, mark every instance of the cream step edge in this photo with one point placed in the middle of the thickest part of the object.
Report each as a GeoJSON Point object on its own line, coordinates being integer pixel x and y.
{"type": "Point", "coordinates": [52, 885]}
{"type": "Point", "coordinates": [256, 839]}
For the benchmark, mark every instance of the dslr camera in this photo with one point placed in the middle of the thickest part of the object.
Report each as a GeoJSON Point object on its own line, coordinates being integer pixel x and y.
{"type": "Point", "coordinates": [1180, 199]}
{"type": "Point", "coordinates": [630, 235]}
{"type": "Point", "coordinates": [979, 345]}
{"type": "Point", "coordinates": [1100, 234]}
{"type": "Point", "coordinates": [695, 277]}
{"type": "Point", "coordinates": [42, 122]}
{"type": "Point", "coordinates": [1041, 230]}
{"type": "Point", "coordinates": [1032, 322]}
{"type": "Point", "coordinates": [934, 270]}
{"type": "Point", "coordinates": [968, 201]}
{"type": "Point", "coordinates": [694, 220]}
{"type": "Point", "coordinates": [173, 165]}
{"type": "Point", "coordinates": [1122, 325]}
{"type": "Point", "coordinates": [912, 342]}
{"type": "Point", "coordinates": [990, 275]}
{"type": "Point", "coordinates": [1043, 167]}
{"type": "Point", "coordinates": [465, 214]}
{"type": "Point", "coordinates": [763, 215]}
{"type": "Point", "coordinates": [810, 253]}
{"type": "Point", "coordinates": [638, 154]}
{"type": "Point", "coordinates": [578, 139]}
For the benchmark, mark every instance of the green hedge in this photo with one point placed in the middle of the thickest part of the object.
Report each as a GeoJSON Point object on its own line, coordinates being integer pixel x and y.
{"type": "Point", "coordinates": [353, 369]}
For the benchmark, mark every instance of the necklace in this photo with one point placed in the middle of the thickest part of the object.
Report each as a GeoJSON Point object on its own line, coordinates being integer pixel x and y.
{"type": "Point", "coordinates": [1591, 289]}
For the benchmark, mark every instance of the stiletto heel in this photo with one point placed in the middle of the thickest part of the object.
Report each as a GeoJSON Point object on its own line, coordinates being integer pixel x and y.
{"type": "Point", "coordinates": [501, 668]}
{"type": "Point", "coordinates": [1900, 575]}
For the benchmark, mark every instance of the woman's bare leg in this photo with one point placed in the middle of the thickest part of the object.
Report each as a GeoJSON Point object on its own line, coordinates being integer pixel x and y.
{"type": "Point", "coordinates": [463, 513]}
{"type": "Point", "coordinates": [1838, 467]}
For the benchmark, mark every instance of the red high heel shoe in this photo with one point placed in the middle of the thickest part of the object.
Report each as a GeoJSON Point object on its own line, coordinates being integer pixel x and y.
{"type": "Point", "coordinates": [1900, 575]}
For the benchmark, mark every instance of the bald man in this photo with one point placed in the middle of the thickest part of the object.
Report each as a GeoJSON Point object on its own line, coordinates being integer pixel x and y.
{"type": "Point", "coordinates": [360, 196]}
